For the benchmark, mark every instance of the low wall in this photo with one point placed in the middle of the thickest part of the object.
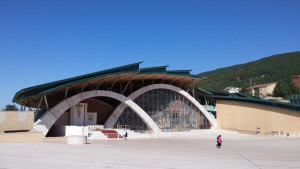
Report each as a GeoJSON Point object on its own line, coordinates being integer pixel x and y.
{"type": "Point", "coordinates": [21, 137]}
{"type": "Point", "coordinates": [11, 121]}
{"type": "Point", "coordinates": [246, 117]}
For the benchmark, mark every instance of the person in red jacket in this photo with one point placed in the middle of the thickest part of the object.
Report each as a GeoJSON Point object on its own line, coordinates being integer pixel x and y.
{"type": "Point", "coordinates": [219, 141]}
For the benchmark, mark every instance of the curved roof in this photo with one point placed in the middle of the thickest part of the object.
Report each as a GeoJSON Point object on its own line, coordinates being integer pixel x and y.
{"type": "Point", "coordinates": [117, 79]}
{"type": "Point", "coordinates": [106, 79]}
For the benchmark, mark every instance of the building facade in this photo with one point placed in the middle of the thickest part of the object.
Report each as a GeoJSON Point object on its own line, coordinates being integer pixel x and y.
{"type": "Point", "coordinates": [149, 99]}
{"type": "Point", "coordinates": [262, 90]}
{"type": "Point", "coordinates": [152, 99]}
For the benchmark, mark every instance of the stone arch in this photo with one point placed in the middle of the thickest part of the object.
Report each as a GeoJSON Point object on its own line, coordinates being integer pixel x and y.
{"type": "Point", "coordinates": [51, 116]}
{"type": "Point", "coordinates": [118, 111]}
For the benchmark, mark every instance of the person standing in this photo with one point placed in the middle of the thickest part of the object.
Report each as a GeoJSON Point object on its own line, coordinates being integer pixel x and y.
{"type": "Point", "coordinates": [125, 135]}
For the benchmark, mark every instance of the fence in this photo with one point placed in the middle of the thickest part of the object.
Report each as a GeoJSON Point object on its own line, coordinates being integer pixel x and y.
{"type": "Point", "coordinates": [123, 127]}
{"type": "Point", "coordinates": [295, 98]}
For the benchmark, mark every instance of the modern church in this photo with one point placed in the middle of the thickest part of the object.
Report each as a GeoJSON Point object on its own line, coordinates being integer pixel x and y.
{"type": "Point", "coordinates": [153, 100]}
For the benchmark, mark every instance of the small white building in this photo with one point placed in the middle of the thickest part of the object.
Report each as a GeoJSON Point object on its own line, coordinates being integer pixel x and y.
{"type": "Point", "coordinates": [233, 89]}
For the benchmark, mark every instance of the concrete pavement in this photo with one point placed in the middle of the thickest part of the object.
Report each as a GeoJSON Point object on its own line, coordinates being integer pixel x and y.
{"type": "Point", "coordinates": [180, 151]}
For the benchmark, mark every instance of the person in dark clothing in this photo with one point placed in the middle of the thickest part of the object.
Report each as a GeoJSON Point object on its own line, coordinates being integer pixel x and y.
{"type": "Point", "coordinates": [125, 135]}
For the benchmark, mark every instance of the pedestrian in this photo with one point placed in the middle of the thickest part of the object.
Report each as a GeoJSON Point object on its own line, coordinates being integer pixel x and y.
{"type": "Point", "coordinates": [219, 142]}
{"type": "Point", "coordinates": [125, 135]}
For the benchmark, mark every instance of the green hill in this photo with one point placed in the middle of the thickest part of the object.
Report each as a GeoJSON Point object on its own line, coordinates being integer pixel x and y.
{"type": "Point", "coordinates": [274, 68]}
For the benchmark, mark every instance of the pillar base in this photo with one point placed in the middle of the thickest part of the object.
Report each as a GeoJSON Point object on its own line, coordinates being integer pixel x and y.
{"type": "Point", "coordinates": [77, 140]}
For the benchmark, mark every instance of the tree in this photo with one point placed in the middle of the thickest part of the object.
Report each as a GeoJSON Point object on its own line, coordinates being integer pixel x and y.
{"type": "Point", "coordinates": [294, 89]}
{"type": "Point", "coordinates": [284, 90]}
{"type": "Point", "coordinates": [244, 91]}
{"type": "Point", "coordinates": [10, 107]}
{"type": "Point", "coordinates": [280, 90]}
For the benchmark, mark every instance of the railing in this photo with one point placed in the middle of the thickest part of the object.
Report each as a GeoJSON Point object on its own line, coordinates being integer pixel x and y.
{"type": "Point", "coordinates": [123, 127]}
{"type": "Point", "coordinates": [295, 99]}
{"type": "Point", "coordinates": [284, 134]}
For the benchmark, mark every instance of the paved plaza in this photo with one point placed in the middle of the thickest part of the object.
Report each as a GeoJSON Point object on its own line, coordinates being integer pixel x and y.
{"type": "Point", "coordinates": [185, 150]}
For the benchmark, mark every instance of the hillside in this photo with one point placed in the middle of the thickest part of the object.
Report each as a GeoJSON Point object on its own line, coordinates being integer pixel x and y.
{"type": "Point", "coordinates": [270, 69]}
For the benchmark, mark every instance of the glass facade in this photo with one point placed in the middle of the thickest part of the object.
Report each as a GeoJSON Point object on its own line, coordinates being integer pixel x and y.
{"type": "Point", "coordinates": [168, 109]}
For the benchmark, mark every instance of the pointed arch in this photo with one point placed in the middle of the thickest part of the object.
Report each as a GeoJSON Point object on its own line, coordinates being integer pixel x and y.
{"type": "Point", "coordinates": [119, 110]}
{"type": "Point", "coordinates": [51, 116]}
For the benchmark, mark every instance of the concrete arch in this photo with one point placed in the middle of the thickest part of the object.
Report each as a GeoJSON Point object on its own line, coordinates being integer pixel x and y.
{"type": "Point", "coordinates": [118, 111]}
{"type": "Point", "coordinates": [51, 116]}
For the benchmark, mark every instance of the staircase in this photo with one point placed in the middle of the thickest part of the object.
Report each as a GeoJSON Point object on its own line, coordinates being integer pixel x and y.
{"type": "Point", "coordinates": [111, 134]}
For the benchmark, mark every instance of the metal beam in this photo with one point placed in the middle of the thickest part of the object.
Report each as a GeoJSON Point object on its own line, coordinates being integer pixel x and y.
{"type": "Point", "coordinates": [102, 80]}
{"type": "Point", "coordinates": [130, 80]}
{"type": "Point", "coordinates": [182, 82]}
{"type": "Point", "coordinates": [172, 82]}
{"type": "Point", "coordinates": [66, 93]}
{"type": "Point", "coordinates": [40, 102]}
{"type": "Point", "coordinates": [188, 83]}
{"type": "Point", "coordinates": [120, 84]}
{"type": "Point", "coordinates": [113, 83]}
{"type": "Point", "coordinates": [83, 86]}
{"type": "Point", "coordinates": [46, 102]}
{"type": "Point", "coordinates": [153, 81]}
{"type": "Point", "coordinates": [90, 85]}
{"type": "Point", "coordinates": [147, 78]}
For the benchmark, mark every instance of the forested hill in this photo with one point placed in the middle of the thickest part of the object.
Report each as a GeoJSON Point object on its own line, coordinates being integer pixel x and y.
{"type": "Point", "coordinates": [274, 68]}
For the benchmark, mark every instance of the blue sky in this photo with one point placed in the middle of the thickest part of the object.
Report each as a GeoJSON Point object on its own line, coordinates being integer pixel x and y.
{"type": "Point", "coordinates": [43, 41]}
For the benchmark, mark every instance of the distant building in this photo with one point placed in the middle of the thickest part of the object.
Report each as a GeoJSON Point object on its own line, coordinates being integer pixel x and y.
{"type": "Point", "coordinates": [262, 90]}
{"type": "Point", "coordinates": [296, 80]}
{"type": "Point", "coordinates": [232, 89]}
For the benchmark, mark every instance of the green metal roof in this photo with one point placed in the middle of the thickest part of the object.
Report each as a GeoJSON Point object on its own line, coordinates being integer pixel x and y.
{"type": "Point", "coordinates": [154, 69]}
{"type": "Point", "coordinates": [42, 89]}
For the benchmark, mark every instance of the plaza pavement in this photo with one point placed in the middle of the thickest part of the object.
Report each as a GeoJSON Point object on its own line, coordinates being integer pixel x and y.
{"type": "Point", "coordinates": [184, 150]}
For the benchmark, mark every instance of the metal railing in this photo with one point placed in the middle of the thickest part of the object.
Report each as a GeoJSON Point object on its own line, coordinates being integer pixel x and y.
{"type": "Point", "coordinates": [283, 134]}
{"type": "Point", "coordinates": [123, 127]}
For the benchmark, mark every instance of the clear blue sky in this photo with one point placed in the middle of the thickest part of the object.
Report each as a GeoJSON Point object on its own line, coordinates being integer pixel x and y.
{"type": "Point", "coordinates": [44, 41]}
